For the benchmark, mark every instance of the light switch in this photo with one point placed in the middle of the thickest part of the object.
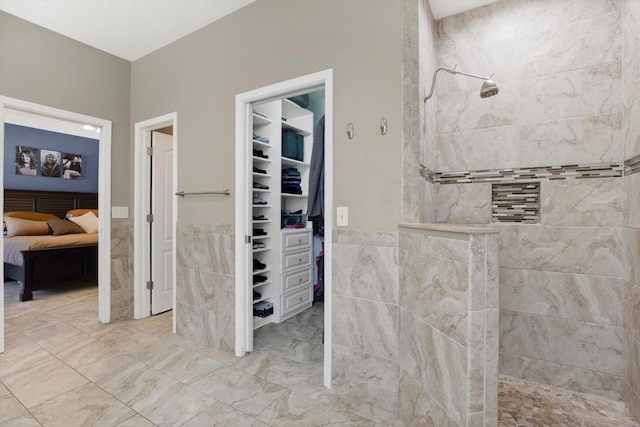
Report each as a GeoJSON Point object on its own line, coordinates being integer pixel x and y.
{"type": "Point", "coordinates": [119, 211]}
{"type": "Point", "coordinates": [343, 216]}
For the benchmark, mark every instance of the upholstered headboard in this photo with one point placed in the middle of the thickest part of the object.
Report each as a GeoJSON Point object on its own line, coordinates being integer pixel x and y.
{"type": "Point", "coordinates": [54, 202]}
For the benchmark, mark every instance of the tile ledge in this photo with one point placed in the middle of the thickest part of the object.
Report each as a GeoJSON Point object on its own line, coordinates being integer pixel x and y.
{"type": "Point", "coordinates": [452, 228]}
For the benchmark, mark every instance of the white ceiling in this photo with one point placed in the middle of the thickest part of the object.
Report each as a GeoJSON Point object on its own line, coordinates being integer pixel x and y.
{"type": "Point", "coordinates": [131, 29]}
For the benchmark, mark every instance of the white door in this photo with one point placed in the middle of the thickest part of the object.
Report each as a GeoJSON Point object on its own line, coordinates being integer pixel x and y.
{"type": "Point", "coordinates": [161, 226]}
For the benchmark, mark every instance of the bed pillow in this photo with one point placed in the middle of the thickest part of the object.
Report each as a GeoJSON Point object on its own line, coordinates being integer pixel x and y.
{"type": "Point", "coordinates": [26, 227]}
{"type": "Point", "coordinates": [88, 222]}
{"type": "Point", "coordinates": [63, 226]}
{"type": "Point", "coordinates": [80, 212]}
{"type": "Point", "coordinates": [33, 216]}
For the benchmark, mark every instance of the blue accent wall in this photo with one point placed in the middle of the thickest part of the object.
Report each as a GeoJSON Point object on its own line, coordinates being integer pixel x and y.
{"type": "Point", "coordinates": [15, 135]}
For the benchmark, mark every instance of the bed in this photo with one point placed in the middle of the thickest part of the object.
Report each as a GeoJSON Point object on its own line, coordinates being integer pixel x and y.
{"type": "Point", "coordinates": [41, 261]}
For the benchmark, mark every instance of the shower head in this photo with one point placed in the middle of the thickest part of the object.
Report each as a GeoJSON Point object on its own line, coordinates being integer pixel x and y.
{"type": "Point", "coordinates": [489, 87]}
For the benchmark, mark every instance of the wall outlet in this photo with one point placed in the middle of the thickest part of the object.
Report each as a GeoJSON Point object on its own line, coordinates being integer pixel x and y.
{"type": "Point", "coordinates": [119, 211]}
{"type": "Point", "coordinates": [343, 216]}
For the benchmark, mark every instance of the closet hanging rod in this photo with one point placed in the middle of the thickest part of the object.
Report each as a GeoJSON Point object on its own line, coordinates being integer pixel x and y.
{"type": "Point", "coordinates": [223, 192]}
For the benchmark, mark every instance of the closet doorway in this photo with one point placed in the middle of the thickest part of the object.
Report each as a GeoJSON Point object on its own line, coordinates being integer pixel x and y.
{"type": "Point", "coordinates": [284, 197]}
{"type": "Point", "coordinates": [8, 105]}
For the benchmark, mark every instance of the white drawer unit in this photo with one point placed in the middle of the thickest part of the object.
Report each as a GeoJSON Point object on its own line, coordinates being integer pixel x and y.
{"type": "Point", "coordinates": [295, 260]}
{"type": "Point", "coordinates": [296, 289]}
{"type": "Point", "coordinates": [293, 281]}
{"type": "Point", "coordinates": [295, 302]}
{"type": "Point", "coordinates": [298, 240]}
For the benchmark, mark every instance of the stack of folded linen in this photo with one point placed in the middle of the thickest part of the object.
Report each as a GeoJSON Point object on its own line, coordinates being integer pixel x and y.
{"type": "Point", "coordinates": [291, 181]}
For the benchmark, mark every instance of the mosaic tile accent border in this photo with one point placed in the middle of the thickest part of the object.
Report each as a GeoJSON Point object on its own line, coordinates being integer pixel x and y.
{"type": "Point", "coordinates": [594, 170]}
{"type": "Point", "coordinates": [427, 174]}
{"type": "Point", "coordinates": [632, 165]}
{"type": "Point", "coordinates": [602, 170]}
{"type": "Point", "coordinates": [517, 202]}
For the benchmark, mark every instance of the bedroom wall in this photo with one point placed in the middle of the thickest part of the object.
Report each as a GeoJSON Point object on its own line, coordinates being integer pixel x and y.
{"type": "Point", "coordinates": [37, 138]}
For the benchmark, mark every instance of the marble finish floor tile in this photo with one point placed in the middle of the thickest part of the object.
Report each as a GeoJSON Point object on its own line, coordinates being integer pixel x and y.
{"type": "Point", "coordinates": [42, 382]}
{"type": "Point", "coordinates": [61, 366]}
{"type": "Point", "coordinates": [13, 412]}
{"type": "Point", "coordinates": [86, 405]}
{"type": "Point", "coordinates": [527, 404]}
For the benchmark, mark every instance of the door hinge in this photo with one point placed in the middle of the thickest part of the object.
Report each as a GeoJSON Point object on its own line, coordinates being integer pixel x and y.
{"type": "Point", "coordinates": [149, 151]}
{"type": "Point", "coordinates": [150, 284]}
{"type": "Point", "coordinates": [247, 239]}
{"type": "Point", "coordinates": [150, 218]}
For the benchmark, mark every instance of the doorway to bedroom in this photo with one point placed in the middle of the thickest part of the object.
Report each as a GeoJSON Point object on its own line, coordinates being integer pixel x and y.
{"type": "Point", "coordinates": [62, 165]}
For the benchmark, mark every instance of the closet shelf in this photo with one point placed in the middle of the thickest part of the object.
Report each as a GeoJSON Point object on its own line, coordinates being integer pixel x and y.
{"type": "Point", "coordinates": [260, 120]}
{"type": "Point", "coordinates": [266, 236]}
{"type": "Point", "coordinates": [266, 270]}
{"type": "Point", "coordinates": [260, 299]}
{"type": "Point", "coordinates": [262, 206]}
{"type": "Point", "coordinates": [255, 251]}
{"type": "Point", "coordinates": [257, 285]}
{"type": "Point", "coordinates": [260, 190]}
{"type": "Point", "coordinates": [262, 175]}
{"type": "Point", "coordinates": [290, 162]}
{"type": "Point", "coordinates": [303, 196]}
{"type": "Point", "coordinates": [261, 221]}
{"type": "Point", "coordinates": [296, 129]}
{"type": "Point", "coordinates": [292, 110]}
{"type": "Point", "coordinates": [260, 159]}
{"type": "Point", "coordinates": [261, 144]}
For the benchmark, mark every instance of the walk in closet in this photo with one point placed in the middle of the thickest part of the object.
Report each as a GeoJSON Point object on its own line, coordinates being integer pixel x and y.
{"type": "Point", "coordinates": [282, 238]}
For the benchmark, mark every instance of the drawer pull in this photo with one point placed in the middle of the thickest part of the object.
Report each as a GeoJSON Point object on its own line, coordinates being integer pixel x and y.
{"type": "Point", "coordinates": [299, 240]}
{"type": "Point", "coordinates": [300, 299]}
{"type": "Point", "coordinates": [299, 259]}
{"type": "Point", "coordinates": [299, 279]}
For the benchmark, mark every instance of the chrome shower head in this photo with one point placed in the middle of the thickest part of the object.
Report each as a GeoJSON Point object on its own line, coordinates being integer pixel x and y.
{"type": "Point", "coordinates": [489, 88]}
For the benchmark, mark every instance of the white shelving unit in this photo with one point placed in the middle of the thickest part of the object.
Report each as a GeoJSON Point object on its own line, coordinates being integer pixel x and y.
{"type": "Point", "coordinates": [287, 275]}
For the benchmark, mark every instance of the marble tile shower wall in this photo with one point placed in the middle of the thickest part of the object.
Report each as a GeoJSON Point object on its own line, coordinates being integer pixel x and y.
{"type": "Point", "coordinates": [427, 141]}
{"type": "Point", "coordinates": [205, 288]}
{"type": "Point", "coordinates": [365, 317]}
{"type": "Point", "coordinates": [560, 71]}
{"type": "Point", "coordinates": [419, 139]}
{"type": "Point", "coordinates": [631, 185]}
{"type": "Point", "coordinates": [448, 345]}
{"type": "Point", "coordinates": [121, 269]}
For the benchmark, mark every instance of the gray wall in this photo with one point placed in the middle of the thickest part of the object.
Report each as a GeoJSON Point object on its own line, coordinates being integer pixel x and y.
{"type": "Point", "coordinates": [631, 232]}
{"type": "Point", "coordinates": [559, 68]}
{"type": "Point", "coordinates": [40, 66]}
{"type": "Point", "coordinates": [271, 41]}
{"type": "Point", "coordinates": [264, 43]}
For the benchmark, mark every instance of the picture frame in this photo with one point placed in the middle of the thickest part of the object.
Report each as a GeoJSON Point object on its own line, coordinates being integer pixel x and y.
{"type": "Point", "coordinates": [26, 160]}
{"type": "Point", "coordinates": [71, 166]}
{"type": "Point", "coordinates": [50, 162]}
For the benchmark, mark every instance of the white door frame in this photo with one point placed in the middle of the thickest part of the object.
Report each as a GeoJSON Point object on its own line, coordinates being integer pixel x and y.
{"type": "Point", "coordinates": [141, 246]}
{"type": "Point", "coordinates": [104, 195]}
{"type": "Point", "coordinates": [244, 314]}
